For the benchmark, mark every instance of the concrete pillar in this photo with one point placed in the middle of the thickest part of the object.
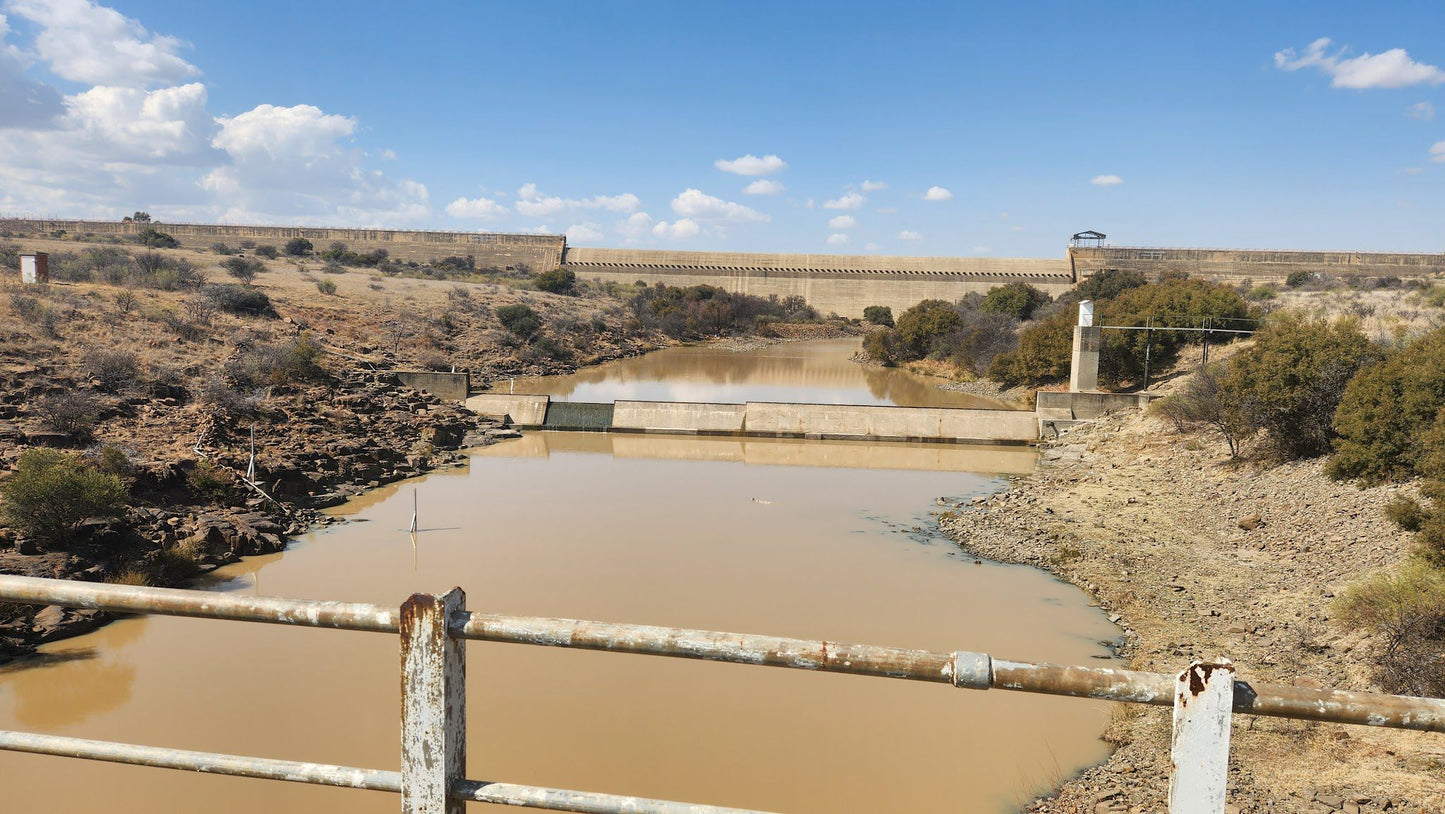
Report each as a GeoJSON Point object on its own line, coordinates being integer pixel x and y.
{"type": "Point", "coordinates": [1084, 368]}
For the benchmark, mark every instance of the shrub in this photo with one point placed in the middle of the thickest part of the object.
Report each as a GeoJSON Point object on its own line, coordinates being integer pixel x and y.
{"type": "Point", "coordinates": [884, 346]}
{"type": "Point", "coordinates": [298, 247]}
{"type": "Point", "coordinates": [699, 311]}
{"type": "Point", "coordinates": [1387, 409]}
{"type": "Point", "coordinates": [243, 269]}
{"type": "Point", "coordinates": [326, 287]}
{"type": "Point", "coordinates": [156, 270]}
{"type": "Point", "coordinates": [1406, 513]}
{"type": "Point", "coordinates": [878, 315]}
{"type": "Point", "coordinates": [115, 369]}
{"type": "Point", "coordinates": [211, 483]}
{"type": "Point", "coordinates": [1407, 609]}
{"type": "Point", "coordinates": [520, 320]}
{"type": "Point", "coordinates": [921, 326]}
{"type": "Point", "coordinates": [1291, 381]}
{"type": "Point", "coordinates": [1298, 278]}
{"type": "Point", "coordinates": [1018, 300]}
{"type": "Point", "coordinates": [1261, 292]}
{"type": "Point", "coordinates": [1204, 400]}
{"type": "Point", "coordinates": [222, 248]}
{"type": "Point", "coordinates": [556, 281]}
{"type": "Point", "coordinates": [268, 252]}
{"type": "Point", "coordinates": [1110, 283]}
{"type": "Point", "coordinates": [280, 364]}
{"type": "Point", "coordinates": [1169, 302]}
{"type": "Point", "coordinates": [156, 240]}
{"type": "Point", "coordinates": [1043, 354]}
{"type": "Point", "coordinates": [70, 412]}
{"type": "Point", "coordinates": [50, 493]}
{"type": "Point", "coordinates": [235, 299]}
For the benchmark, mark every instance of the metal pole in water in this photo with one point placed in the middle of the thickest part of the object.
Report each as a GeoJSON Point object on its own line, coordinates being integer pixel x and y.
{"type": "Point", "coordinates": [413, 528]}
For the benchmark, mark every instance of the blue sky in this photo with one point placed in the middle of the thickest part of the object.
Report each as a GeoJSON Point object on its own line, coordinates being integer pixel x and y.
{"type": "Point", "coordinates": [623, 123]}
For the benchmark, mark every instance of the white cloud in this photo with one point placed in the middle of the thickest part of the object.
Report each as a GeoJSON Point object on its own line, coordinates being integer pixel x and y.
{"type": "Point", "coordinates": [851, 200]}
{"type": "Point", "coordinates": [886, 210]}
{"type": "Point", "coordinates": [694, 203]}
{"type": "Point", "coordinates": [1424, 111]}
{"type": "Point", "coordinates": [585, 232]}
{"type": "Point", "coordinates": [810, 204]}
{"type": "Point", "coordinates": [1389, 69]}
{"type": "Point", "coordinates": [389, 154]}
{"type": "Point", "coordinates": [1437, 151]}
{"type": "Point", "coordinates": [752, 165]}
{"type": "Point", "coordinates": [981, 250]}
{"type": "Point", "coordinates": [873, 186]}
{"type": "Point", "coordinates": [837, 239]}
{"type": "Point", "coordinates": [680, 229]}
{"type": "Point", "coordinates": [908, 234]}
{"type": "Point", "coordinates": [636, 226]}
{"type": "Point", "coordinates": [85, 42]}
{"type": "Point", "coordinates": [1106, 180]}
{"type": "Point", "coordinates": [531, 202]}
{"type": "Point", "coordinates": [1413, 170]}
{"type": "Point", "coordinates": [937, 194]}
{"type": "Point", "coordinates": [764, 186]}
{"type": "Point", "coordinates": [23, 101]}
{"type": "Point", "coordinates": [871, 247]}
{"type": "Point", "coordinates": [843, 222]}
{"type": "Point", "coordinates": [478, 208]}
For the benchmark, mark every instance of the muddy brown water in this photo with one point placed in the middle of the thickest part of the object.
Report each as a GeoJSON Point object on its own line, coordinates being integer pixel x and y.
{"type": "Point", "coordinates": [796, 538]}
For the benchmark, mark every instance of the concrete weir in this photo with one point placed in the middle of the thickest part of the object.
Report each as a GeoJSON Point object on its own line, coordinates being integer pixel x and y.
{"type": "Point", "coordinates": [778, 420]}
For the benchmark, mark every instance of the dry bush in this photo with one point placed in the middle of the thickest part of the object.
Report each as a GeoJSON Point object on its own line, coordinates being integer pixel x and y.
{"type": "Point", "coordinates": [1407, 610]}
{"type": "Point", "coordinates": [114, 368]}
{"type": "Point", "coordinates": [70, 412]}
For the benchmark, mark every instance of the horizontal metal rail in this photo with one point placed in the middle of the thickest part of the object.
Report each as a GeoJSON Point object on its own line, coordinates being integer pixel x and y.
{"type": "Point", "coordinates": [320, 774]}
{"type": "Point", "coordinates": [959, 668]}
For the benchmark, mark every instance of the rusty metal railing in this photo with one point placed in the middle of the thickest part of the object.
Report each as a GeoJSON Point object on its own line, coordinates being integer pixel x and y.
{"type": "Point", "coordinates": [435, 628]}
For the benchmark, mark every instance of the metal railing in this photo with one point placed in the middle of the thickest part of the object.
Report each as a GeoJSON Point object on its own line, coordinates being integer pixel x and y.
{"type": "Point", "coordinates": [434, 630]}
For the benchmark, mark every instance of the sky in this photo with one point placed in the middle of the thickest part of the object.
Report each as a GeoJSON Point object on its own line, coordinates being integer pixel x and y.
{"type": "Point", "coordinates": [992, 129]}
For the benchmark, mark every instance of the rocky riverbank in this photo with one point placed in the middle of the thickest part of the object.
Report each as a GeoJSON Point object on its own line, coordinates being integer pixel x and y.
{"type": "Point", "coordinates": [1197, 557]}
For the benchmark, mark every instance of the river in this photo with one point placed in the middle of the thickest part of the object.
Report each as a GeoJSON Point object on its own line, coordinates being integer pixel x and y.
{"type": "Point", "coordinates": [797, 538]}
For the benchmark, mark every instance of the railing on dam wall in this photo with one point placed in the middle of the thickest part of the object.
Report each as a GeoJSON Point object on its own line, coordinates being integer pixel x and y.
{"type": "Point", "coordinates": [434, 629]}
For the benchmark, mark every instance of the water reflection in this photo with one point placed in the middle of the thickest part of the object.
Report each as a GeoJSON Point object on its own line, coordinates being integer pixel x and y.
{"type": "Point", "coordinates": [819, 372]}
{"type": "Point", "coordinates": [74, 680]}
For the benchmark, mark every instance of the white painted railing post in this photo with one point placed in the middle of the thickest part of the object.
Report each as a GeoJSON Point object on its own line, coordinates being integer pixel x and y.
{"type": "Point", "coordinates": [1203, 702]}
{"type": "Point", "coordinates": [433, 704]}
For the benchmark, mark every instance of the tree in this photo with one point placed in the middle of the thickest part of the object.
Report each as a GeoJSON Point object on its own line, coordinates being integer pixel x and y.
{"type": "Point", "coordinates": [243, 269]}
{"type": "Point", "coordinates": [1018, 300]}
{"type": "Point", "coordinates": [141, 217]}
{"type": "Point", "coordinates": [1291, 381]}
{"type": "Point", "coordinates": [50, 493]}
{"type": "Point", "coordinates": [298, 247]}
{"type": "Point", "coordinates": [556, 281]}
{"type": "Point", "coordinates": [922, 325]}
{"type": "Point", "coordinates": [1203, 399]}
{"type": "Point", "coordinates": [156, 240]}
{"type": "Point", "coordinates": [1386, 411]}
{"type": "Point", "coordinates": [878, 315]}
{"type": "Point", "coordinates": [268, 252]}
{"type": "Point", "coordinates": [1110, 283]}
{"type": "Point", "coordinates": [884, 346]}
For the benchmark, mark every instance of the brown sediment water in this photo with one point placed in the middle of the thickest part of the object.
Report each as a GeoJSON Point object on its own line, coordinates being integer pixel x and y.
{"type": "Point", "coordinates": [819, 371]}
{"type": "Point", "coordinates": [795, 538]}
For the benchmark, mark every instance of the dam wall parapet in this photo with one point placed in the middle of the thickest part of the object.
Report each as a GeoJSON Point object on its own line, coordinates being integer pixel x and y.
{"type": "Point", "coordinates": [1236, 266]}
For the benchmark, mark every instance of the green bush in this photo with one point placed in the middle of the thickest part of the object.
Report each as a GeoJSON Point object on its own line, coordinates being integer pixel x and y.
{"type": "Point", "coordinates": [884, 347]}
{"type": "Point", "coordinates": [298, 247]}
{"type": "Point", "coordinates": [1110, 283]}
{"type": "Point", "coordinates": [1386, 412]}
{"type": "Point", "coordinates": [1407, 609]}
{"type": "Point", "coordinates": [211, 483]}
{"type": "Point", "coordinates": [1298, 278]}
{"type": "Point", "coordinates": [277, 365]}
{"type": "Point", "coordinates": [1018, 300]}
{"type": "Point", "coordinates": [556, 281]}
{"type": "Point", "coordinates": [326, 287]}
{"type": "Point", "coordinates": [1260, 293]}
{"type": "Point", "coordinates": [156, 240]}
{"type": "Point", "coordinates": [236, 299]}
{"type": "Point", "coordinates": [243, 269]}
{"type": "Point", "coordinates": [268, 252]}
{"type": "Point", "coordinates": [878, 315]}
{"type": "Point", "coordinates": [921, 326]}
{"type": "Point", "coordinates": [699, 311]}
{"type": "Point", "coordinates": [520, 320]}
{"type": "Point", "coordinates": [50, 493]}
{"type": "Point", "coordinates": [1290, 382]}
{"type": "Point", "coordinates": [1043, 355]}
{"type": "Point", "coordinates": [1406, 513]}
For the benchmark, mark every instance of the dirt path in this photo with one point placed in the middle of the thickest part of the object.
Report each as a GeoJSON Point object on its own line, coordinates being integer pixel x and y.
{"type": "Point", "coordinates": [1196, 558]}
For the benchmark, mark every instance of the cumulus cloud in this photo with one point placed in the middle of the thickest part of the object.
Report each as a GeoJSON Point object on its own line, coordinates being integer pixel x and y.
{"type": "Point", "coordinates": [636, 226]}
{"type": "Point", "coordinates": [476, 208]}
{"type": "Point", "coordinates": [843, 222]}
{"type": "Point", "coordinates": [1106, 180]}
{"type": "Point", "coordinates": [873, 186]}
{"type": "Point", "coordinates": [1424, 111]}
{"type": "Point", "coordinates": [871, 247]}
{"type": "Point", "coordinates": [695, 204]}
{"type": "Point", "coordinates": [680, 229]}
{"type": "Point", "coordinates": [585, 232]}
{"type": "Point", "coordinates": [908, 234]}
{"type": "Point", "coordinates": [851, 200]}
{"type": "Point", "coordinates": [937, 194]}
{"type": "Point", "coordinates": [89, 43]}
{"type": "Point", "coordinates": [1437, 151]}
{"type": "Point", "coordinates": [1389, 69]}
{"type": "Point", "coordinates": [23, 101]}
{"type": "Point", "coordinates": [752, 165]}
{"type": "Point", "coordinates": [837, 239]}
{"type": "Point", "coordinates": [981, 250]}
{"type": "Point", "coordinates": [531, 202]}
{"type": "Point", "coordinates": [765, 186]}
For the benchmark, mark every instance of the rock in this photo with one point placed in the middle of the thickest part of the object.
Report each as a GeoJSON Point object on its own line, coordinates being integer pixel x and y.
{"type": "Point", "coordinates": [1250, 522]}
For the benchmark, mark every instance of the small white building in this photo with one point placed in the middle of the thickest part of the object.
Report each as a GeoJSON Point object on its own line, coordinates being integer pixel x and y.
{"type": "Point", "coordinates": [35, 268]}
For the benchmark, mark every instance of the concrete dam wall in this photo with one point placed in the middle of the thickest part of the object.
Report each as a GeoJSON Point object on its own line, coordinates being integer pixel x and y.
{"type": "Point", "coordinates": [831, 283]}
{"type": "Point", "coordinates": [504, 252]}
{"type": "Point", "coordinates": [1236, 266]}
{"type": "Point", "coordinates": [769, 419]}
